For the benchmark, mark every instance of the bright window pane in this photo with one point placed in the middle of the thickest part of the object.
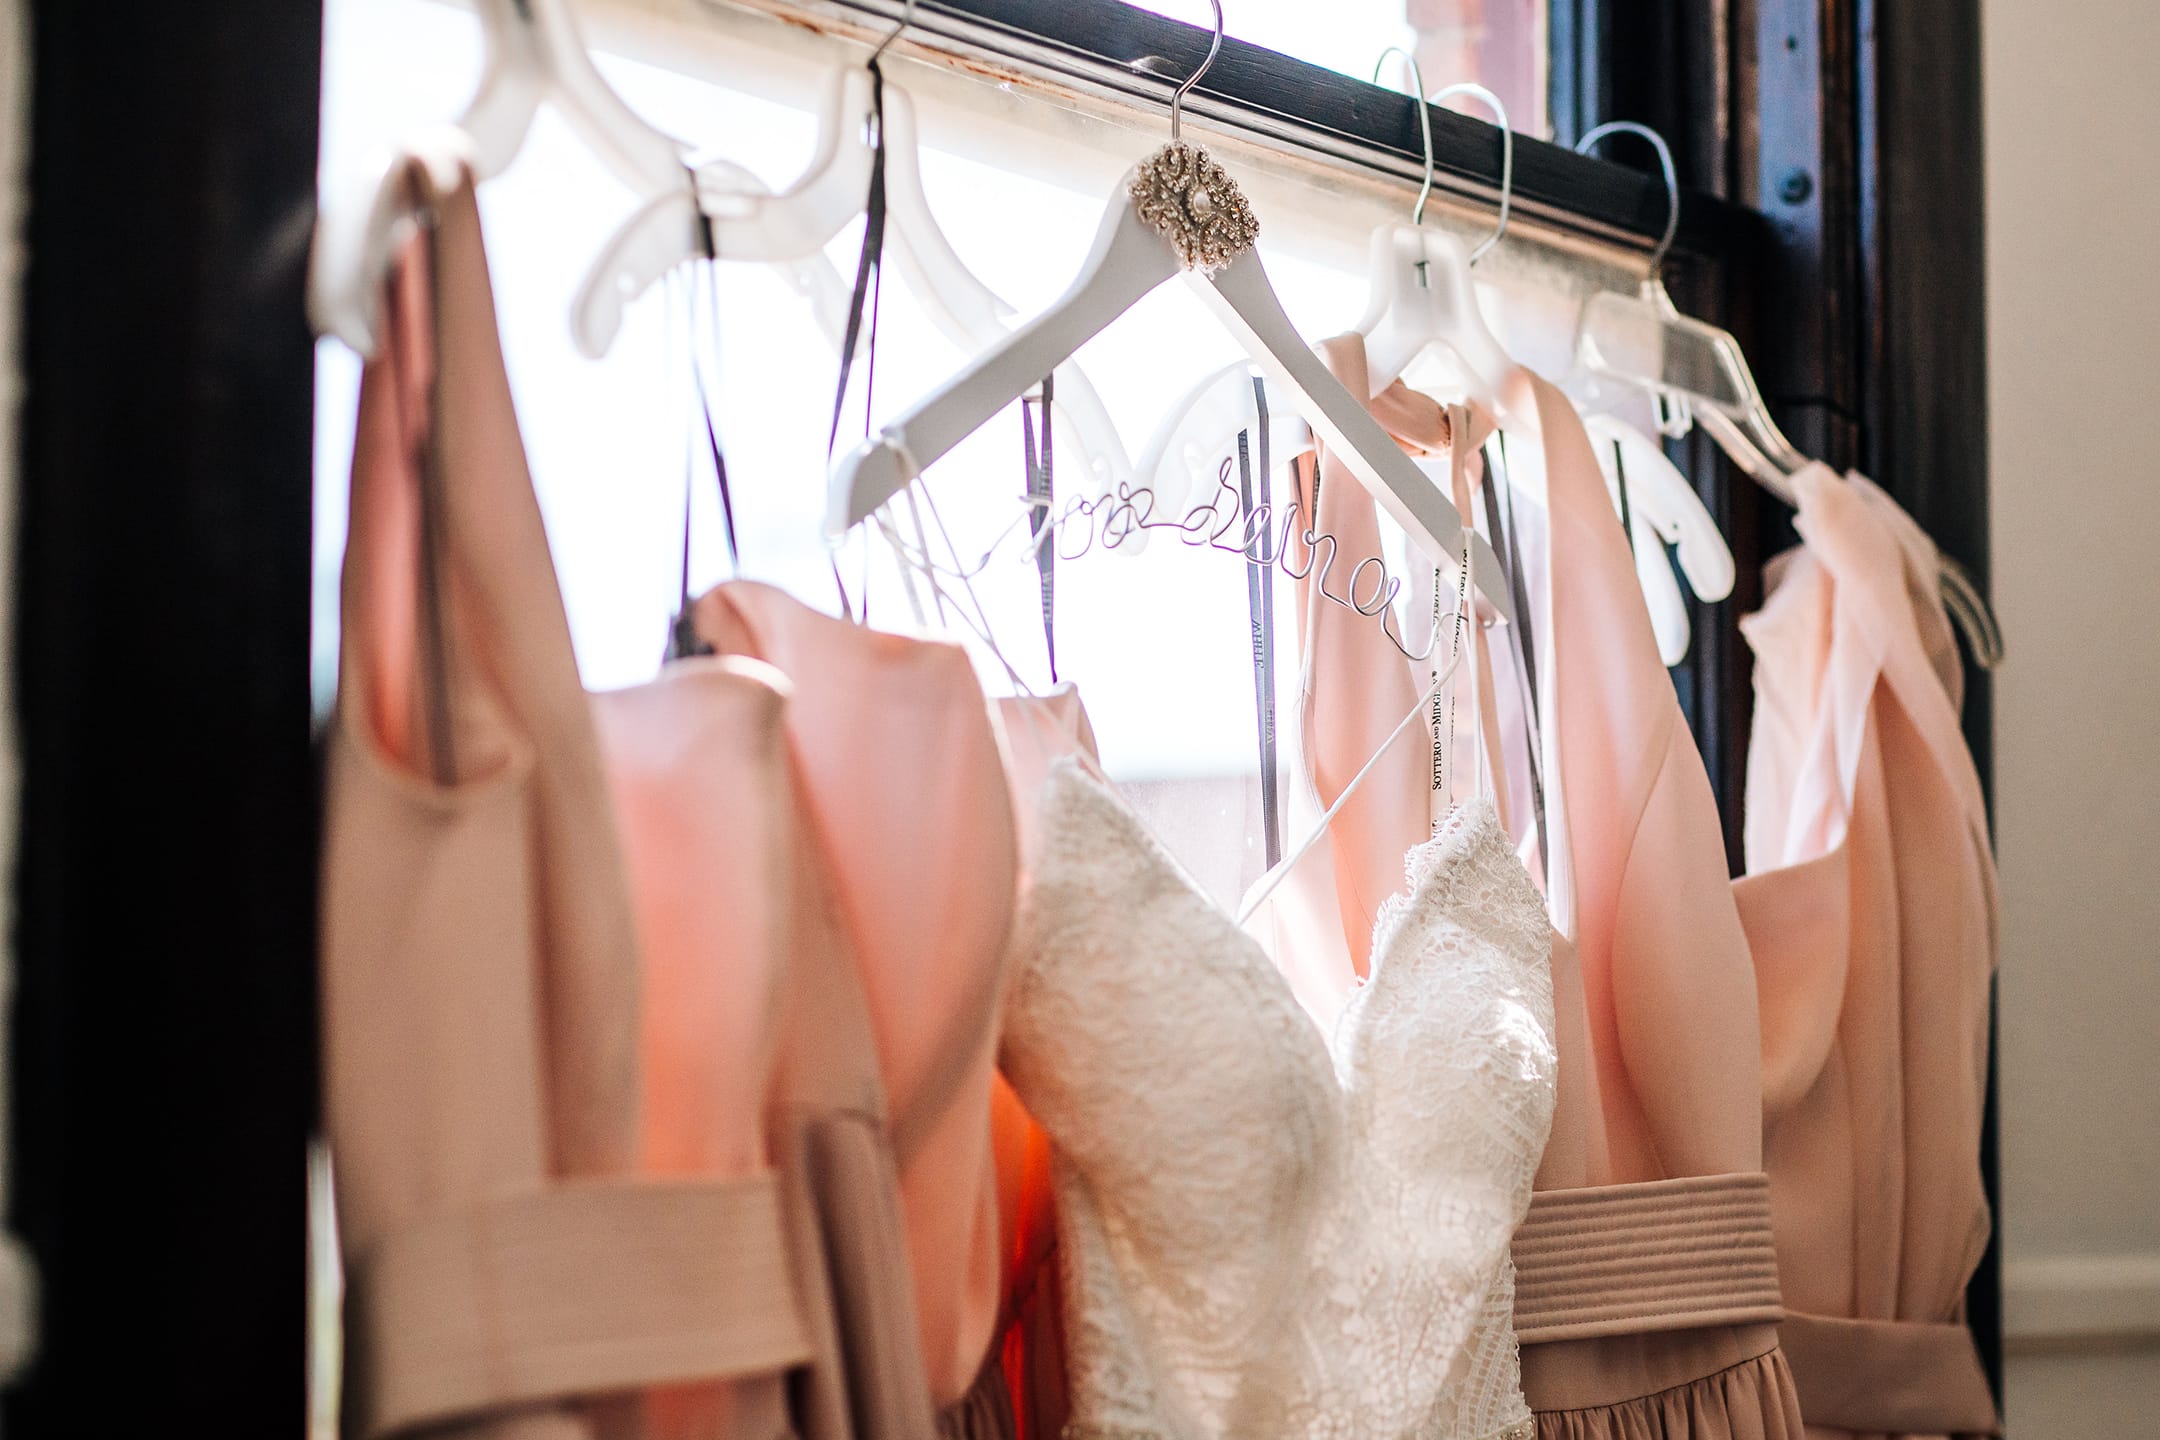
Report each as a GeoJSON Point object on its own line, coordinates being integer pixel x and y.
{"type": "Point", "coordinates": [1159, 642]}
{"type": "Point", "coordinates": [1502, 44]}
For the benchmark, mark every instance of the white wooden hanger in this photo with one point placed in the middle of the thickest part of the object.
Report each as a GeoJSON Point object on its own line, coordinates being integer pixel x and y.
{"type": "Point", "coordinates": [1421, 297]}
{"type": "Point", "coordinates": [1423, 294]}
{"type": "Point", "coordinates": [1177, 212]}
{"type": "Point", "coordinates": [534, 56]}
{"type": "Point", "coordinates": [790, 230]}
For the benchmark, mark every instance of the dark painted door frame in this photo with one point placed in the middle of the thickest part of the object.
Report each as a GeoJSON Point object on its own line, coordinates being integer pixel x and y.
{"type": "Point", "coordinates": [163, 1033]}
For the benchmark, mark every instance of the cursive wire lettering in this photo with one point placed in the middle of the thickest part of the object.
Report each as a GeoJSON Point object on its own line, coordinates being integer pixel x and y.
{"type": "Point", "coordinates": [1108, 521]}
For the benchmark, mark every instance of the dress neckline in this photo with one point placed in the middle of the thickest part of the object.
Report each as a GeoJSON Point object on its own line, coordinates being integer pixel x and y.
{"type": "Point", "coordinates": [1424, 865]}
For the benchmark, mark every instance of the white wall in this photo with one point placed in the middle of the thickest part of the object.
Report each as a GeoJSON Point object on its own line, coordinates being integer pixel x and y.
{"type": "Point", "coordinates": [2073, 315]}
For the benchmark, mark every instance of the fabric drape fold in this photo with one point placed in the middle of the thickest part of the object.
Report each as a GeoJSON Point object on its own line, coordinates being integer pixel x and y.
{"type": "Point", "coordinates": [1870, 902]}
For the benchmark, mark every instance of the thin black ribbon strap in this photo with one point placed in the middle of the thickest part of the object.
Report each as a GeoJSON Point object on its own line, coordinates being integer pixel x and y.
{"type": "Point", "coordinates": [1627, 518]}
{"type": "Point", "coordinates": [1260, 611]}
{"type": "Point", "coordinates": [683, 639]}
{"type": "Point", "coordinates": [434, 531]}
{"type": "Point", "coordinates": [1508, 539]}
{"type": "Point", "coordinates": [1500, 519]}
{"type": "Point", "coordinates": [869, 270]}
{"type": "Point", "coordinates": [1042, 493]}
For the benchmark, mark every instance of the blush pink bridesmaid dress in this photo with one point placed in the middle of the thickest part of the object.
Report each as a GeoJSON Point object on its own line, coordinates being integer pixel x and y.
{"type": "Point", "coordinates": [544, 1236]}
{"type": "Point", "coordinates": [903, 792]}
{"type": "Point", "coordinates": [1648, 1293]}
{"type": "Point", "coordinates": [1647, 1298]}
{"type": "Point", "coordinates": [1870, 904]}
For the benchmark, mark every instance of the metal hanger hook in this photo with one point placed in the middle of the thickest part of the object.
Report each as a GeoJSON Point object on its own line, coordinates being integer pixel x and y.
{"type": "Point", "coordinates": [1507, 156]}
{"type": "Point", "coordinates": [1424, 120]}
{"type": "Point", "coordinates": [1177, 96]}
{"type": "Point", "coordinates": [907, 16]}
{"type": "Point", "coordinates": [1665, 164]}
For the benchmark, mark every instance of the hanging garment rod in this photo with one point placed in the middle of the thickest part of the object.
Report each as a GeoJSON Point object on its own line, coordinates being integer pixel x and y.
{"type": "Point", "coordinates": [1133, 57]}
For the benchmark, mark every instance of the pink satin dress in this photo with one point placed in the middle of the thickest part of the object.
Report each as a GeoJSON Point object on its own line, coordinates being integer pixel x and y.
{"type": "Point", "coordinates": [1646, 1285]}
{"type": "Point", "coordinates": [903, 789]}
{"type": "Point", "coordinates": [1870, 903]}
{"type": "Point", "coordinates": [555, 1205]}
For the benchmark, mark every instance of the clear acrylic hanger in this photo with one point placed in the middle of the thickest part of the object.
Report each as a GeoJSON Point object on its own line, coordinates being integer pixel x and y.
{"type": "Point", "coordinates": [1177, 212]}
{"type": "Point", "coordinates": [791, 229]}
{"type": "Point", "coordinates": [1696, 369]}
{"type": "Point", "coordinates": [1701, 374]}
{"type": "Point", "coordinates": [534, 57]}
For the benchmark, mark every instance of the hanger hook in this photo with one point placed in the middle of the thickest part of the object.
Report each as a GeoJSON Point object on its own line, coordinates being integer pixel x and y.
{"type": "Point", "coordinates": [907, 15]}
{"type": "Point", "coordinates": [1177, 96]}
{"type": "Point", "coordinates": [1424, 120]}
{"type": "Point", "coordinates": [1665, 164]}
{"type": "Point", "coordinates": [1507, 155]}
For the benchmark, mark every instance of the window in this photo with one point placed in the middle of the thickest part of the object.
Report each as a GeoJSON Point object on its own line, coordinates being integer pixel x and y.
{"type": "Point", "coordinates": [1499, 43]}
{"type": "Point", "coordinates": [1160, 642]}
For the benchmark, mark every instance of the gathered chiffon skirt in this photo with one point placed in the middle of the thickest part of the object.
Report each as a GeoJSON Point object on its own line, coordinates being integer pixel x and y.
{"type": "Point", "coordinates": [1726, 1382]}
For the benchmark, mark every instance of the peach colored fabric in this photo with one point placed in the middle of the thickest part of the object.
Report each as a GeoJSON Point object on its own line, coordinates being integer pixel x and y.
{"type": "Point", "coordinates": [1355, 686]}
{"type": "Point", "coordinates": [1656, 1255]}
{"type": "Point", "coordinates": [1035, 730]}
{"type": "Point", "coordinates": [1638, 874]}
{"type": "Point", "coordinates": [1639, 883]}
{"type": "Point", "coordinates": [1870, 901]}
{"type": "Point", "coordinates": [726, 879]}
{"type": "Point", "coordinates": [904, 791]}
{"type": "Point", "coordinates": [509, 1254]}
{"type": "Point", "coordinates": [697, 773]}
{"type": "Point", "coordinates": [1660, 1073]}
{"type": "Point", "coordinates": [1728, 1382]}
{"type": "Point", "coordinates": [1637, 879]}
{"type": "Point", "coordinates": [832, 1142]}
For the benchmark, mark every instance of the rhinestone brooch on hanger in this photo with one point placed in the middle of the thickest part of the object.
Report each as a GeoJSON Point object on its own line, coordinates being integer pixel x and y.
{"type": "Point", "coordinates": [1194, 204]}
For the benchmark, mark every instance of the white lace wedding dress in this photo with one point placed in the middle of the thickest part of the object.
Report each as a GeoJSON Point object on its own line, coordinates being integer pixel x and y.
{"type": "Point", "coordinates": [1265, 1234]}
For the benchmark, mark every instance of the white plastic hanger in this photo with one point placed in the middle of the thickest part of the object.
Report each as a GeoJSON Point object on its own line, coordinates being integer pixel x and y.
{"type": "Point", "coordinates": [1661, 503]}
{"type": "Point", "coordinates": [791, 228]}
{"type": "Point", "coordinates": [1423, 294]}
{"type": "Point", "coordinates": [534, 56]}
{"type": "Point", "coordinates": [1187, 447]}
{"type": "Point", "coordinates": [1190, 202]}
{"type": "Point", "coordinates": [1663, 510]}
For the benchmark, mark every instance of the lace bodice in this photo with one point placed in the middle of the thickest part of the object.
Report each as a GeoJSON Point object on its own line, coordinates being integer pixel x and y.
{"type": "Point", "coordinates": [1266, 1234]}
